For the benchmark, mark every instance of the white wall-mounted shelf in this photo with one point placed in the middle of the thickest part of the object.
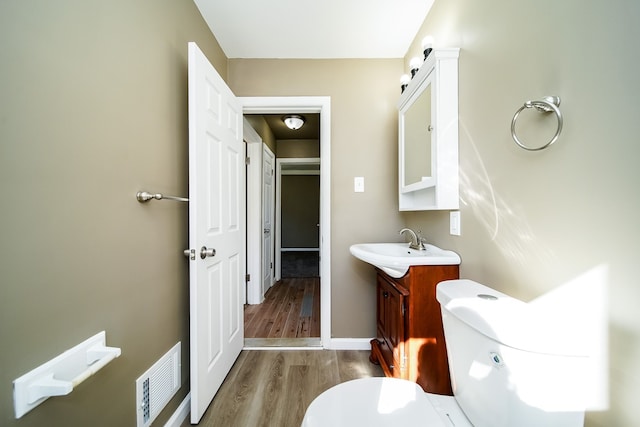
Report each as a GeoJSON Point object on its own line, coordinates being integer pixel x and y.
{"type": "Point", "coordinates": [59, 376]}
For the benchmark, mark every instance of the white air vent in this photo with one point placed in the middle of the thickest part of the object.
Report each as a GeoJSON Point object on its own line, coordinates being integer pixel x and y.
{"type": "Point", "coordinates": [157, 386]}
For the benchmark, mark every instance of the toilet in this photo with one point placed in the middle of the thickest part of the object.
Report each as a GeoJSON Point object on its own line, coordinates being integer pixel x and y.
{"type": "Point", "coordinates": [510, 365]}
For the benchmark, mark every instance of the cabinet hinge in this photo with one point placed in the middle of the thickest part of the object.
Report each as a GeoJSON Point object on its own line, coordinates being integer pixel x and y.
{"type": "Point", "coordinates": [247, 278]}
{"type": "Point", "coordinates": [247, 160]}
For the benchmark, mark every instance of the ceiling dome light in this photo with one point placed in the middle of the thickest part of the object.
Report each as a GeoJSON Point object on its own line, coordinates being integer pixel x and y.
{"type": "Point", "coordinates": [293, 121]}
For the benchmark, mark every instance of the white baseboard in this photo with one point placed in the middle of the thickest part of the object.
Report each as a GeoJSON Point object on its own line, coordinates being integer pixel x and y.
{"type": "Point", "coordinates": [181, 413]}
{"type": "Point", "coordinates": [350, 344]}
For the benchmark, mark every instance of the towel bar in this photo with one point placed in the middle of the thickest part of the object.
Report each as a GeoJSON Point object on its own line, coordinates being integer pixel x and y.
{"type": "Point", "coordinates": [145, 196]}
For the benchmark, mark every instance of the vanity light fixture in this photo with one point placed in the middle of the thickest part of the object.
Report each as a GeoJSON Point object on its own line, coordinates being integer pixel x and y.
{"type": "Point", "coordinates": [427, 46]}
{"type": "Point", "coordinates": [404, 82]}
{"type": "Point", "coordinates": [293, 121]}
{"type": "Point", "coordinates": [414, 65]}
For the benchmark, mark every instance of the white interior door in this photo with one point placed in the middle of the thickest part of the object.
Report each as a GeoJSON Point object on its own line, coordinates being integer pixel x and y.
{"type": "Point", "coordinates": [216, 230]}
{"type": "Point", "coordinates": [268, 198]}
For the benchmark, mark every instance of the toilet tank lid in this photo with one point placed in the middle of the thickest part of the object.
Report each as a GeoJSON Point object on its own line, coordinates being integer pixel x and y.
{"type": "Point", "coordinates": [504, 319]}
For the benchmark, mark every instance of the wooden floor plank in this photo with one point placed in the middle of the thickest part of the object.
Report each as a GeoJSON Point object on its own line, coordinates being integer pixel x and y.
{"type": "Point", "coordinates": [274, 388]}
{"type": "Point", "coordinates": [315, 314]}
{"type": "Point", "coordinates": [291, 309]}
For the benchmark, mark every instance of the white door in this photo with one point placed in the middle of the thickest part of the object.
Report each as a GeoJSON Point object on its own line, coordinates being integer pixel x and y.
{"type": "Point", "coordinates": [268, 196]}
{"type": "Point", "coordinates": [216, 230]}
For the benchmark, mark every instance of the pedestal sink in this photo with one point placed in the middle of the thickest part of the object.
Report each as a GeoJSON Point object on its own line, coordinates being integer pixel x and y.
{"type": "Point", "coordinates": [396, 258]}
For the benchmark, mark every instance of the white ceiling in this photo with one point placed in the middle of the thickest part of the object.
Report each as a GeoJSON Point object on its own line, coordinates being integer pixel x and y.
{"type": "Point", "coordinates": [314, 28]}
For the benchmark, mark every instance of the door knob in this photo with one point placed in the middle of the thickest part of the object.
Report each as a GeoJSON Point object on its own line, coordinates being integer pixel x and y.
{"type": "Point", "coordinates": [204, 252]}
{"type": "Point", "coordinates": [190, 253]}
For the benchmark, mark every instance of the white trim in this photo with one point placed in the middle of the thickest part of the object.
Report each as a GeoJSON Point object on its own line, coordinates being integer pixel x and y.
{"type": "Point", "coordinates": [299, 249]}
{"type": "Point", "coordinates": [350, 344]}
{"type": "Point", "coordinates": [267, 155]}
{"type": "Point", "coordinates": [278, 348]}
{"type": "Point", "coordinates": [322, 105]}
{"type": "Point", "coordinates": [254, 214]}
{"type": "Point", "coordinates": [181, 413]}
{"type": "Point", "coordinates": [300, 172]}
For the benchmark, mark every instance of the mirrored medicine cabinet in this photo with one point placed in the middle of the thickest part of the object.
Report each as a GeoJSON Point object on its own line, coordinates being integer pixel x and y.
{"type": "Point", "coordinates": [428, 135]}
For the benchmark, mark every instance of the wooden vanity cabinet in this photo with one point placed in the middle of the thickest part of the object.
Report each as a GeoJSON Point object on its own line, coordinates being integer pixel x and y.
{"type": "Point", "coordinates": [410, 340]}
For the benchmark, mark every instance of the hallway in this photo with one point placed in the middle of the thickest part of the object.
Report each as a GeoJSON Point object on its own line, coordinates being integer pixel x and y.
{"type": "Point", "coordinates": [291, 309]}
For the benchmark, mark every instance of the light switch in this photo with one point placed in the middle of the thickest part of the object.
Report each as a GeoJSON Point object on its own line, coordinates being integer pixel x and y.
{"type": "Point", "coordinates": [454, 223]}
{"type": "Point", "coordinates": [358, 184]}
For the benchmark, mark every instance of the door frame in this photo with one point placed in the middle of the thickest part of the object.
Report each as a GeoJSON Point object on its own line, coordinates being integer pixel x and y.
{"type": "Point", "coordinates": [267, 153]}
{"type": "Point", "coordinates": [321, 105]}
{"type": "Point", "coordinates": [254, 216]}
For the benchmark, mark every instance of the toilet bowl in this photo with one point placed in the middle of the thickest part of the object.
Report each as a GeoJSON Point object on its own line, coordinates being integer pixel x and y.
{"type": "Point", "coordinates": [383, 402]}
{"type": "Point", "coordinates": [509, 367]}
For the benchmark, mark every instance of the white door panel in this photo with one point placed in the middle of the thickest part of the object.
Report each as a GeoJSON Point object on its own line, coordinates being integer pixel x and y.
{"type": "Point", "coordinates": [268, 196]}
{"type": "Point", "coordinates": [216, 222]}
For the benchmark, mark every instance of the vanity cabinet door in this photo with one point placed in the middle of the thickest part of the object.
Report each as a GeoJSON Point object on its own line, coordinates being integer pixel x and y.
{"type": "Point", "coordinates": [391, 325]}
{"type": "Point", "coordinates": [409, 341]}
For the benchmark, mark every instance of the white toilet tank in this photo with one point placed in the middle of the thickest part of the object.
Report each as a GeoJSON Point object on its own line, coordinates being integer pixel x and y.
{"type": "Point", "coordinates": [509, 365]}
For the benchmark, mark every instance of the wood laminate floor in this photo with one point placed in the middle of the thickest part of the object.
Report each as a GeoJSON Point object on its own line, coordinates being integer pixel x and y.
{"type": "Point", "coordinates": [273, 388]}
{"type": "Point", "coordinates": [291, 309]}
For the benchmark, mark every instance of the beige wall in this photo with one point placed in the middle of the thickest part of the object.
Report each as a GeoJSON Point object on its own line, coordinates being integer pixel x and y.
{"type": "Point", "coordinates": [564, 217]}
{"type": "Point", "coordinates": [300, 209]}
{"type": "Point", "coordinates": [309, 148]}
{"type": "Point", "coordinates": [94, 108]}
{"type": "Point", "coordinates": [363, 143]}
{"type": "Point", "coordinates": [260, 125]}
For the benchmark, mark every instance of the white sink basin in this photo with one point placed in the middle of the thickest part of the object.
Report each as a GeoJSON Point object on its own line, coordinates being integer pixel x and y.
{"type": "Point", "coordinates": [396, 258]}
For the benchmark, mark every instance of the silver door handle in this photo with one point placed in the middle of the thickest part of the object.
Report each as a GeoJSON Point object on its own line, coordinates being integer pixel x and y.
{"type": "Point", "coordinates": [204, 252]}
{"type": "Point", "coordinates": [190, 253]}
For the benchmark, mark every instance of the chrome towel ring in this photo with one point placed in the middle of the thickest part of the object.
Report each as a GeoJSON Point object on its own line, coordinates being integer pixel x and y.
{"type": "Point", "coordinates": [545, 105]}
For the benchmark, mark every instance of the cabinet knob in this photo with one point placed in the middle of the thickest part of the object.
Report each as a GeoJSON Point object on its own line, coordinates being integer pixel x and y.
{"type": "Point", "coordinates": [385, 294]}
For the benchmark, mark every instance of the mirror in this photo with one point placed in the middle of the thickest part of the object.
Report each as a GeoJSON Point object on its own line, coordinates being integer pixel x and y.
{"type": "Point", "coordinates": [417, 139]}
{"type": "Point", "coordinates": [428, 135]}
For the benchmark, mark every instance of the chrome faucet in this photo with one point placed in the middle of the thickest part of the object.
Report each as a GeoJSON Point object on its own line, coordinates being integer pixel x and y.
{"type": "Point", "coordinates": [417, 242]}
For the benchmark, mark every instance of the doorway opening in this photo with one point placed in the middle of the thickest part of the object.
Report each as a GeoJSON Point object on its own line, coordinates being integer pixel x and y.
{"type": "Point", "coordinates": [296, 310]}
{"type": "Point", "coordinates": [297, 217]}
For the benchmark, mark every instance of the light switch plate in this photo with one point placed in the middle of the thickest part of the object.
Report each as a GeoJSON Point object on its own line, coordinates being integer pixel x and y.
{"type": "Point", "coordinates": [454, 223]}
{"type": "Point", "coordinates": [358, 184]}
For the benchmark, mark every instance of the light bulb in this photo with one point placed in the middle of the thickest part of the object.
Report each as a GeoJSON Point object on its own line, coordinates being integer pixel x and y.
{"type": "Point", "coordinates": [404, 82]}
{"type": "Point", "coordinates": [414, 65]}
{"type": "Point", "coordinates": [427, 45]}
